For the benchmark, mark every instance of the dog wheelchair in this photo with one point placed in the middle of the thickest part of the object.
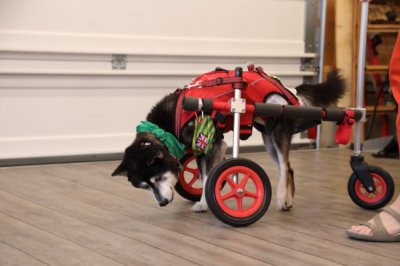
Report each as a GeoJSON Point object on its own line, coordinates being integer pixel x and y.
{"type": "Point", "coordinates": [239, 190]}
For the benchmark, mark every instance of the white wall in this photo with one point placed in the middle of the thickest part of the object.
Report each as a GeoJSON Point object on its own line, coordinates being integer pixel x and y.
{"type": "Point", "coordinates": [60, 96]}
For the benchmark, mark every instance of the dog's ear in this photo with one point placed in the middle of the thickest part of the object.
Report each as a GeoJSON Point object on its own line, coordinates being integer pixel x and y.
{"type": "Point", "coordinates": [158, 156]}
{"type": "Point", "coordinates": [120, 170]}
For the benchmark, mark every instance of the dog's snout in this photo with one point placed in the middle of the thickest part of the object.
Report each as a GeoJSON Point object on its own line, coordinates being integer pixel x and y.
{"type": "Point", "coordinates": [163, 202]}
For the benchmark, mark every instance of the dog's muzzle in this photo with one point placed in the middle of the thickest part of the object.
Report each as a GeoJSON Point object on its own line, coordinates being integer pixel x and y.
{"type": "Point", "coordinates": [163, 202]}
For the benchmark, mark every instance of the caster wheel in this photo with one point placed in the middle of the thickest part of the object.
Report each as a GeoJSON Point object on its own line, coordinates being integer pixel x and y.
{"type": "Point", "coordinates": [189, 184]}
{"type": "Point", "coordinates": [238, 203]}
{"type": "Point", "coordinates": [384, 189]}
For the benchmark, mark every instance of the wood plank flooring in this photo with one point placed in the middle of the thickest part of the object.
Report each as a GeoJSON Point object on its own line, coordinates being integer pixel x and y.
{"type": "Point", "coordinates": [77, 214]}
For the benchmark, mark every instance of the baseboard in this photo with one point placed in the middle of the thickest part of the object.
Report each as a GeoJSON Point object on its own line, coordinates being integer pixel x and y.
{"type": "Point", "coordinates": [61, 159]}
{"type": "Point", "coordinates": [116, 156]}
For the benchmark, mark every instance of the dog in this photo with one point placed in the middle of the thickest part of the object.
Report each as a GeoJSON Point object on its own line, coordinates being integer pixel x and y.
{"type": "Point", "coordinates": [148, 163]}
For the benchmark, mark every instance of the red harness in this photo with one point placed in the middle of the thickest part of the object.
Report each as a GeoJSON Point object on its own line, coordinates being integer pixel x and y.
{"type": "Point", "coordinates": [218, 85]}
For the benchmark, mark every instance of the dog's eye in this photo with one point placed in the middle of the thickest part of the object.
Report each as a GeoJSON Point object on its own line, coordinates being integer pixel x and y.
{"type": "Point", "coordinates": [156, 179]}
{"type": "Point", "coordinates": [160, 178]}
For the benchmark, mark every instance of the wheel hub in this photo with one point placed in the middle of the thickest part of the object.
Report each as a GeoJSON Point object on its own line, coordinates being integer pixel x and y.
{"type": "Point", "coordinates": [240, 192]}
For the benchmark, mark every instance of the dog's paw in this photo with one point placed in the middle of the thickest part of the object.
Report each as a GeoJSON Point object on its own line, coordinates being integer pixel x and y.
{"type": "Point", "coordinates": [285, 203]}
{"type": "Point", "coordinates": [200, 207]}
{"type": "Point", "coordinates": [284, 198]}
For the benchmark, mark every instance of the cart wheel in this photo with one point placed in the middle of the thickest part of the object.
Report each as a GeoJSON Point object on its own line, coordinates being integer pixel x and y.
{"type": "Point", "coordinates": [241, 203]}
{"type": "Point", "coordinates": [384, 189]}
{"type": "Point", "coordinates": [189, 184]}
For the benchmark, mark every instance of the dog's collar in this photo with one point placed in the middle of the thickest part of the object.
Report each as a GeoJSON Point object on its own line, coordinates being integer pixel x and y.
{"type": "Point", "coordinates": [174, 147]}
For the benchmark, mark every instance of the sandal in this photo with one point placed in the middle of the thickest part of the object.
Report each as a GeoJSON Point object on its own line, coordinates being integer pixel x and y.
{"type": "Point", "coordinates": [379, 233]}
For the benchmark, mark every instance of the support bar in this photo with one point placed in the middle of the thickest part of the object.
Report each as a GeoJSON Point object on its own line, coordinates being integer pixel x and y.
{"type": "Point", "coordinates": [269, 110]}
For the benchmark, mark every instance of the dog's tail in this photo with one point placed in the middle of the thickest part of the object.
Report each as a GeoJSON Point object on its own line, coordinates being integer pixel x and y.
{"type": "Point", "coordinates": [326, 93]}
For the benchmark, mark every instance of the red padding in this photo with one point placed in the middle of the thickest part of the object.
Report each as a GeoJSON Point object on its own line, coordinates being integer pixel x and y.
{"type": "Point", "coordinates": [312, 133]}
{"type": "Point", "coordinates": [343, 131]}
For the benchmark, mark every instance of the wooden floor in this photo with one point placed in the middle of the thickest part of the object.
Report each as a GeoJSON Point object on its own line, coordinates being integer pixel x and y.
{"type": "Point", "coordinates": [77, 214]}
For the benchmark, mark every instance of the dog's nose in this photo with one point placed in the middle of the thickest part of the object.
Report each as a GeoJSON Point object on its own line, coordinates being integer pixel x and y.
{"type": "Point", "coordinates": [163, 202]}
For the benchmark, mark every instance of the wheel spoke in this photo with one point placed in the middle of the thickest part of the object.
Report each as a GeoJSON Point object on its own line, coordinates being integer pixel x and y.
{"type": "Point", "coordinates": [191, 170]}
{"type": "Point", "coordinates": [251, 194]}
{"type": "Point", "coordinates": [377, 183]}
{"type": "Point", "coordinates": [230, 181]}
{"type": "Point", "coordinates": [228, 195]}
{"type": "Point", "coordinates": [244, 181]}
{"type": "Point", "coordinates": [193, 180]}
{"type": "Point", "coordinates": [239, 203]}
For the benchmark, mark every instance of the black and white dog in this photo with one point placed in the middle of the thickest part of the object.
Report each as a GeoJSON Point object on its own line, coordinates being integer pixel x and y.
{"type": "Point", "coordinates": [148, 164]}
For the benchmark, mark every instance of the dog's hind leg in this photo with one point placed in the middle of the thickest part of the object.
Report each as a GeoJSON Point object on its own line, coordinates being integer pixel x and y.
{"type": "Point", "coordinates": [278, 144]}
{"type": "Point", "coordinates": [205, 163]}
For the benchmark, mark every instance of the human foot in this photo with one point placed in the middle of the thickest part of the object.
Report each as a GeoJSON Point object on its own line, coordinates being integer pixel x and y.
{"type": "Point", "coordinates": [385, 226]}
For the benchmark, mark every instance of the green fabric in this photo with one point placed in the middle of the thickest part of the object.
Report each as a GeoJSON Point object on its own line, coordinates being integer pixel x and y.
{"type": "Point", "coordinates": [176, 148]}
{"type": "Point", "coordinates": [203, 136]}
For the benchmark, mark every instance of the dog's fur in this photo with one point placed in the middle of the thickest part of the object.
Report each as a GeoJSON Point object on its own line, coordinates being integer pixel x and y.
{"type": "Point", "coordinates": [148, 164]}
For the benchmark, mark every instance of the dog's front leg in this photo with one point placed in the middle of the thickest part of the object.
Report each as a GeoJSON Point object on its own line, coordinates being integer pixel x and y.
{"type": "Point", "coordinates": [205, 163]}
{"type": "Point", "coordinates": [201, 206]}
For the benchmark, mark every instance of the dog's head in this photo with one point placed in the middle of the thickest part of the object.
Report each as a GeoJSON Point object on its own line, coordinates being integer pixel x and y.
{"type": "Point", "coordinates": [148, 165]}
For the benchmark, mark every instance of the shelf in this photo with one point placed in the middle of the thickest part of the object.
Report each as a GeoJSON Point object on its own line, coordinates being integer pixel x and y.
{"type": "Point", "coordinates": [389, 28]}
{"type": "Point", "coordinates": [376, 68]}
{"type": "Point", "coordinates": [381, 108]}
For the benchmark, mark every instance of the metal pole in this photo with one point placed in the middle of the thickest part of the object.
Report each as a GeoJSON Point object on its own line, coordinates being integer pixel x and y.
{"type": "Point", "coordinates": [321, 59]}
{"type": "Point", "coordinates": [360, 73]}
{"type": "Point", "coordinates": [238, 106]}
{"type": "Point", "coordinates": [236, 127]}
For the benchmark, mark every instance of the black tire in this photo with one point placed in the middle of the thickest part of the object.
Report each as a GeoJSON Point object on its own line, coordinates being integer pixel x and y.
{"type": "Point", "coordinates": [242, 216]}
{"type": "Point", "coordinates": [383, 194]}
{"type": "Point", "coordinates": [181, 186]}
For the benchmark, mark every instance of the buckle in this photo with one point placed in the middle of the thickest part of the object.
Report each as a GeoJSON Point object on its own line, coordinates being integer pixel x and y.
{"type": "Point", "coordinates": [197, 84]}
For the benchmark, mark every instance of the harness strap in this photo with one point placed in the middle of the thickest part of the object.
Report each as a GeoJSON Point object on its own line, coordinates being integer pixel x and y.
{"type": "Point", "coordinates": [221, 81]}
{"type": "Point", "coordinates": [288, 94]}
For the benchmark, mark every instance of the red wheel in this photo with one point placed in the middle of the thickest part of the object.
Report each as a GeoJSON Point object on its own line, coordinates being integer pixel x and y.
{"type": "Point", "coordinates": [189, 184]}
{"type": "Point", "coordinates": [371, 197]}
{"type": "Point", "coordinates": [249, 188]}
{"type": "Point", "coordinates": [238, 203]}
{"type": "Point", "coordinates": [383, 193]}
